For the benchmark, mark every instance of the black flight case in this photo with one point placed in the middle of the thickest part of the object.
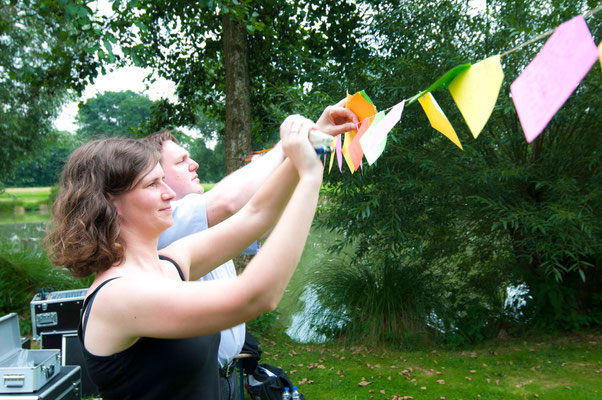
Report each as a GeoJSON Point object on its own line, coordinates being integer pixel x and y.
{"type": "Point", "coordinates": [56, 311]}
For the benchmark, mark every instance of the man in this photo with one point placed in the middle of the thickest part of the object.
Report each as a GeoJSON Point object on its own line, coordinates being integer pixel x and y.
{"type": "Point", "coordinates": [194, 211]}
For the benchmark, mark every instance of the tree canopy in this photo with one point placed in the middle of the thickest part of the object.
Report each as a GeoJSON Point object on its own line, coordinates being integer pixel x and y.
{"type": "Point", "coordinates": [276, 48]}
{"type": "Point", "coordinates": [113, 114]}
{"type": "Point", "coordinates": [44, 54]}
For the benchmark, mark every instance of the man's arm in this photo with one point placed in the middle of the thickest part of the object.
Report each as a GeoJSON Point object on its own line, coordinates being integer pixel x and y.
{"type": "Point", "coordinates": [231, 193]}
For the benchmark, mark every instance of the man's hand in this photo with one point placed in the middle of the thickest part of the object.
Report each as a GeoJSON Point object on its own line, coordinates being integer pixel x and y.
{"type": "Point", "coordinates": [337, 119]}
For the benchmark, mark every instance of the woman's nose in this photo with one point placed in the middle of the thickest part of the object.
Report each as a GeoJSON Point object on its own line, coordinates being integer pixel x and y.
{"type": "Point", "coordinates": [168, 193]}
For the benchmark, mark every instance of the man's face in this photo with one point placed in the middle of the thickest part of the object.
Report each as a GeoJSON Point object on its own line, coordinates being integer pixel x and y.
{"type": "Point", "coordinates": [180, 170]}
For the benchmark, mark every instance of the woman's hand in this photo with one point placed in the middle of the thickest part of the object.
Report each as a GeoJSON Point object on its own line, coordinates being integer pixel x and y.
{"type": "Point", "coordinates": [337, 119]}
{"type": "Point", "coordinates": [294, 133]}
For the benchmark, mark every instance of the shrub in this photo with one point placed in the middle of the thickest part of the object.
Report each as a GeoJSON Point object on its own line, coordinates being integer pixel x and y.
{"type": "Point", "coordinates": [382, 301]}
{"type": "Point", "coordinates": [22, 274]}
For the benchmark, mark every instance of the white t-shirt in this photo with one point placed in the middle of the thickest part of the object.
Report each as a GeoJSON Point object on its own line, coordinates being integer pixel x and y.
{"type": "Point", "coordinates": [190, 216]}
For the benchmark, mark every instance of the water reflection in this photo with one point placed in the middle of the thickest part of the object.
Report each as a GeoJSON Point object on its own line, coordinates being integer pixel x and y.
{"type": "Point", "coordinates": [28, 235]}
{"type": "Point", "coordinates": [307, 325]}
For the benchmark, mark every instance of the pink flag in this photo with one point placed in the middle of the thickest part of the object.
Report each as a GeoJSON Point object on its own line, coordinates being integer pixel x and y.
{"type": "Point", "coordinates": [546, 83]}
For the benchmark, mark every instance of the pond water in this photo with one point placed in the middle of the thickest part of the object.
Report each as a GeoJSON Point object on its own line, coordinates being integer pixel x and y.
{"type": "Point", "coordinates": [305, 325]}
{"type": "Point", "coordinates": [27, 230]}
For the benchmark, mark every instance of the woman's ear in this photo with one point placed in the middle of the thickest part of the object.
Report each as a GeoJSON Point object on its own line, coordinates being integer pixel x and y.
{"type": "Point", "coordinates": [116, 203]}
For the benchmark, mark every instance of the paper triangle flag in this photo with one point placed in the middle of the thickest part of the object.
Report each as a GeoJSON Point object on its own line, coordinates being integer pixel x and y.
{"type": "Point", "coordinates": [448, 77]}
{"type": "Point", "coordinates": [348, 139]}
{"type": "Point", "coordinates": [600, 51]}
{"type": "Point", "coordinates": [371, 149]}
{"type": "Point", "coordinates": [360, 106]}
{"type": "Point", "coordinates": [388, 122]}
{"type": "Point", "coordinates": [375, 139]}
{"type": "Point", "coordinates": [366, 97]}
{"type": "Point", "coordinates": [438, 119]}
{"type": "Point", "coordinates": [355, 148]}
{"type": "Point", "coordinates": [475, 92]}
{"type": "Point", "coordinates": [553, 75]}
{"type": "Point", "coordinates": [332, 154]}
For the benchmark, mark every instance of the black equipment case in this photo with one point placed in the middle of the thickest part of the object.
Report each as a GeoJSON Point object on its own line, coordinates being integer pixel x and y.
{"type": "Point", "coordinates": [71, 354]}
{"type": "Point", "coordinates": [56, 311]}
{"type": "Point", "coordinates": [65, 386]}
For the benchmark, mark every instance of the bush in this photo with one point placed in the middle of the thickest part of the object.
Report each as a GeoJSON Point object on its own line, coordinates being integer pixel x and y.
{"type": "Point", "coordinates": [383, 301]}
{"type": "Point", "coordinates": [22, 274]}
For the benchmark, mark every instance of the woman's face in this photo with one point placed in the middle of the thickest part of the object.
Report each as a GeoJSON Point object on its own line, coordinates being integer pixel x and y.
{"type": "Point", "coordinates": [146, 208]}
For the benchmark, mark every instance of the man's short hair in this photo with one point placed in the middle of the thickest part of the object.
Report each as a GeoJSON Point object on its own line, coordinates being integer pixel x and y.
{"type": "Point", "coordinates": [157, 139]}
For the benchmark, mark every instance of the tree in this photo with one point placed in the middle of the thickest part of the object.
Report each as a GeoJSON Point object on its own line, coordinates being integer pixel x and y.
{"type": "Point", "coordinates": [113, 114]}
{"type": "Point", "coordinates": [462, 226]}
{"type": "Point", "coordinates": [45, 52]}
{"type": "Point", "coordinates": [237, 61]}
{"type": "Point", "coordinates": [43, 165]}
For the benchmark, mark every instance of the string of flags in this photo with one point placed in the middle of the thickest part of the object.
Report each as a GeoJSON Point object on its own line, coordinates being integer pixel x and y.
{"type": "Point", "coordinates": [538, 93]}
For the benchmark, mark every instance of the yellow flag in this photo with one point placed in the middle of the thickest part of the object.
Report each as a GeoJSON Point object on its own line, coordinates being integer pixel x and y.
{"type": "Point", "coordinates": [346, 154]}
{"type": "Point", "coordinates": [475, 92]}
{"type": "Point", "coordinates": [438, 119]}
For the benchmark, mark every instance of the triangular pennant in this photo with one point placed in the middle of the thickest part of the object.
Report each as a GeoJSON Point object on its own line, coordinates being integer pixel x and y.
{"type": "Point", "coordinates": [348, 139]}
{"type": "Point", "coordinates": [438, 119]}
{"type": "Point", "coordinates": [360, 106]}
{"type": "Point", "coordinates": [375, 139]}
{"type": "Point", "coordinates": [355, 148]}
{"type": "Point", "coordinates": [332, 154]}
{"type": "Point", "coordinates": [366, 97]}
{"type": "Point", "coordinates": [476, 90]}
{"type": "Point", "coordinates": [371, 149]}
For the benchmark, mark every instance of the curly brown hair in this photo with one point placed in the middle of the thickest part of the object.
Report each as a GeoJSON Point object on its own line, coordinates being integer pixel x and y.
{"type": "Point", "coordinates": [85, 225]}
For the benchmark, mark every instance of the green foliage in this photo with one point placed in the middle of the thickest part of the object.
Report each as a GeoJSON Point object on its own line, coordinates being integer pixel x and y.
{"type": "Point", "coordinates": [113, 114]}
{"type": "Point", "coordinates": [499, 213]}
{"type": "Point", "coordinates": [211, 161]}
{"type": "Point", "coordinates": [290, 45]}
{"type": "Point", "coordinates": [44, 164]}
{"type": "Point", "coordinates": [264, 323]}
{"type": "Point", "coordinates": [381, 300]}
{"type": "Point", "coordinates": [42, 57]}
{"type": "Point", "coordinates": [23, 272]}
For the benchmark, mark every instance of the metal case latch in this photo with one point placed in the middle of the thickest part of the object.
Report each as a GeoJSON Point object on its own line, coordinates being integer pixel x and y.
{"type": "Point", "coordinates": [47, 319]}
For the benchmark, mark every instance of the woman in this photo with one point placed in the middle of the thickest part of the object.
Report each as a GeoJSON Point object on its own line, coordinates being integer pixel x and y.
{"type": "Point", "coordinates": [147, 332]}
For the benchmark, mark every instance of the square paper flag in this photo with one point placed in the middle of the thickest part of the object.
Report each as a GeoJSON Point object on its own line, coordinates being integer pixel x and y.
{"type": "Point", "coordinates": [553, 75]}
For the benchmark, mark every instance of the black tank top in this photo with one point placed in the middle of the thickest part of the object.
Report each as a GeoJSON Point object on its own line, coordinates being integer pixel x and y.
{"type": "Point", "coordinates": [153, 368]}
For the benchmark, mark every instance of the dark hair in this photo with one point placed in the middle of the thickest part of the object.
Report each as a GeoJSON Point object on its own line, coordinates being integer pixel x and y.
{"type": "Point", "coordinates": [158, 138]}
{"type": "Point", "coordinates": [85, 225]}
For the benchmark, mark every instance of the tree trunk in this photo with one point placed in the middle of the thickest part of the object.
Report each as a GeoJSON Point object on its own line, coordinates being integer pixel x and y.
{"type": "Point", "coordinates": [238, 94]}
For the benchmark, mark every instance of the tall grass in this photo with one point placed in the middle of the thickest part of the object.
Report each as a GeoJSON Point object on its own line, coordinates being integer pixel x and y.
{"type": "Point", "coordinates": [23, 272]}
{"type": "Point", "coordinates": [383, 301]}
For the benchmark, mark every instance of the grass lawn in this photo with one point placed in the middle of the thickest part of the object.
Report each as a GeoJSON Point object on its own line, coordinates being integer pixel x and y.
{"type": "Point", "coordinates": [547, 367]}
{"type": "Point", "coordinates": [33, 195]}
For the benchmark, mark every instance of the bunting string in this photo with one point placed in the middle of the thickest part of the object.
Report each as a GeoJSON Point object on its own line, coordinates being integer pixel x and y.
{"type": "Point", "coordinates": [538, 93]}
{"type": "Point", "coordinates": [514, 49]}
{"type": "Point", "coordinates": [546, 34]}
